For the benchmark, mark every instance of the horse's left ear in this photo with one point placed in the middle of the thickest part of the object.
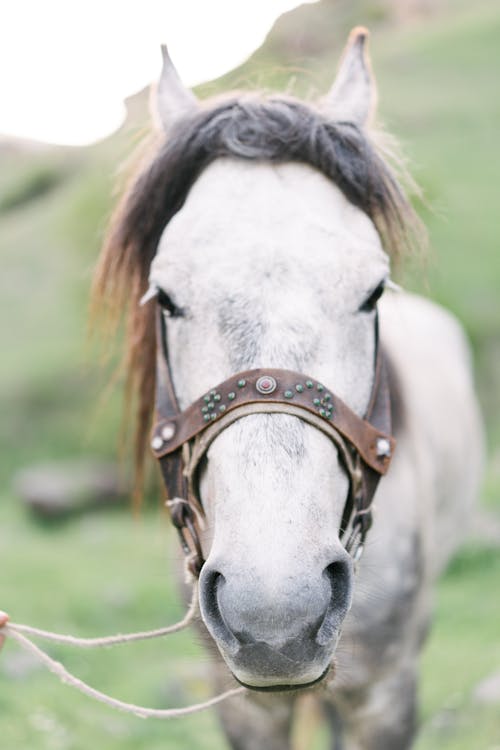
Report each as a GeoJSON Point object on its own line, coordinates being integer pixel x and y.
{"type": "Point", "coordinates": [353, 96]}
{"type": "Point", "coordinates": [171, 100]}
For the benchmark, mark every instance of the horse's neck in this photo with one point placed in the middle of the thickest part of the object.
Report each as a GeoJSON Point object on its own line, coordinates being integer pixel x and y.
{"type": "Point", "coordinates": [436, 420]}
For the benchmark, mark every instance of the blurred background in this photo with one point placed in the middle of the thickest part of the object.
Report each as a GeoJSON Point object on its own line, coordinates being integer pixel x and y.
{"type": "Point", "coordinates": [72, 556]}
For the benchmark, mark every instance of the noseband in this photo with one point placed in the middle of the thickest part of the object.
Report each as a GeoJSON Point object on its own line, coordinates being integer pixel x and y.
{"type": "Point", "coordinates": [181, 439]}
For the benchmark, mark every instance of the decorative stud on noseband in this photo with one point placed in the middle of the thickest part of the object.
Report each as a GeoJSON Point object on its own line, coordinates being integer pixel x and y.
{"type": "Point", "coordinates": [323, 403]}
{"type": "Point", "coordinates": [266, 384]}
{"type": "Point", "coordinates": [383, 448]}
{"type": "Point", "coordinates": [156, 443]}
{"type": "Point", "coordinates": [168, 431]}
{"type": "Point", "coordinates": [208, 408]}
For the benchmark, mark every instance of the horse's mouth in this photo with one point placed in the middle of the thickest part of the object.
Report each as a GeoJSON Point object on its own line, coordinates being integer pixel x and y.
{"type": "Point", "coordinates": [285, 688]}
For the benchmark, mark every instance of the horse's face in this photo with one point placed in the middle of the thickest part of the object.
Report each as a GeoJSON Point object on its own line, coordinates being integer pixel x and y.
{"type": "Point", "coordinates": [271, 266]}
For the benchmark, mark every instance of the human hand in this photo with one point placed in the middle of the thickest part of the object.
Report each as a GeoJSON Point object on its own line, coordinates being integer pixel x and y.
{"type": "Point", "coordinates": [4, 617]}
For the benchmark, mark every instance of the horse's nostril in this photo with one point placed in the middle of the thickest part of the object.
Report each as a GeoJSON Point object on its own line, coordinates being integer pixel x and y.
{"type": "Point", "coordinates": [339, 574]}
{"type": "Point", "coordinates": [209, 590]}
{"type": "Point", "coordinates": [211, 582]}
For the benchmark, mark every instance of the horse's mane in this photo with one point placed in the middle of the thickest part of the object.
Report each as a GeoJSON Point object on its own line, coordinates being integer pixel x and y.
{"type": "Point", "coordinates": [270, 129]}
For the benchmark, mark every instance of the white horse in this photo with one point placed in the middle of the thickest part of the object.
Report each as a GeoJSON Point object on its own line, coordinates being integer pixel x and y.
{"type": "Point", "coordinates": [258, 223]}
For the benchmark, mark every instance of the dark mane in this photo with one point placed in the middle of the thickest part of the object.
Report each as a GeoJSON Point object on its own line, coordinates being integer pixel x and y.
{"type": "Point", "coordinates": [269, 129]}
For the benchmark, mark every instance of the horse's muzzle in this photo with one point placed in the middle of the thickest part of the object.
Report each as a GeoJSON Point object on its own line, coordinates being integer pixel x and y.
{"type": "Point", "coordinates": [279, 635]}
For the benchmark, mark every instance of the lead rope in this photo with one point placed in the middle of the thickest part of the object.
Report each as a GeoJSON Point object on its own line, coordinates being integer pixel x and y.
{"type": "Point", "coordinates": [18, 633]}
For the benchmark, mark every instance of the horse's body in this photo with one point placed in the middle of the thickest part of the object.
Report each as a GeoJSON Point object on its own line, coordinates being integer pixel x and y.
{"type": "Point", "coordinates": [272, 265]}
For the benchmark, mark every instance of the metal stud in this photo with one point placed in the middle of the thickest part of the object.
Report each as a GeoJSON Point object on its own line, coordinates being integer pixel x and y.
{"type": "Point", "coordinates": [222, 407]}
{"type": "Point", "coordinates": [322, 412]}
{"type": "Point", "coordinates": [213, 415]}
{"type": "Point", "coordinates": [241, 383]}
{"type": "Point", "coordinates": [216, 396]}
{"type": "Point", "coordinates": [309, 384]}
{"type": "Point", "coordinates": [204, 409]}
{"type": "Point", "coordinates": [288, 394]}
{"type": "Point", "coordinates": [316, 401]}
{"type": "Point", "coordinates": [206, 417]}
{"type": "Point", "coordinates": [327, 397]}
{"type": "Point", "coordinates": [210, 404]}
{"type": "Point", "coordinates": [206, 399]}
{"type": "Point", "coordinates": [156, 443]}
{"type": "Point", "coordinates": [320, 387]}
{"type": "Point", "coordinates": [168, 431]}
{"type": "Point", "coordinates": [383, 447]}
{"type": "Point", "coordinates": [266, 384]}
{"type": "Point", "coordinates": [231, 396]}
{"type": "Point", "coordinates": [358, 554]}
{"type": "Point", "coordinates": [299, 388]}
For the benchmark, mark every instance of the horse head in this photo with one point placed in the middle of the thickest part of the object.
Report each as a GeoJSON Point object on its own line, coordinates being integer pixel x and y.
{"type": "Point", "coordinates": [258, 226]}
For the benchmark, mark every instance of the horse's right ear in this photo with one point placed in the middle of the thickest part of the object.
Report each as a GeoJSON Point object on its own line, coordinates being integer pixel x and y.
{"type": "Point", "coordinates": [171, 100]}
{"type": "Point", "coordinates": [353, 96]}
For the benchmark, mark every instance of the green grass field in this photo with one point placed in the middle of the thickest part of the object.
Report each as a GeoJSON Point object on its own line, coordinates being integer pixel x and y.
{"type": "Point", "coordinates": [107, 572]}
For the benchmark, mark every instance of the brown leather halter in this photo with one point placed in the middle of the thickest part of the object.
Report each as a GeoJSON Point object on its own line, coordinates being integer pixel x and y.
{"type": "Point", "coordinates": [180, 439]}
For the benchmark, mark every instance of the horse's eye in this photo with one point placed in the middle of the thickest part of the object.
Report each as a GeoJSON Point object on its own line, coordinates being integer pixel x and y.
{"type": "Point", "coordinates": [168, 306]}
{"type": "Point", "coordinates": [370, 303]}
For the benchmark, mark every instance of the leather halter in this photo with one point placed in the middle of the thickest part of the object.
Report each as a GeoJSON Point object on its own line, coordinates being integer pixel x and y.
{"type": "Point", "coordinates": [180, 439]}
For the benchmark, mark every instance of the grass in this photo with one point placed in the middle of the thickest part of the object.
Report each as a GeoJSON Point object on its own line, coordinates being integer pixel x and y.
{"type": "Point", "coordinates": [58, 583]}
{"type": "Point", "coordinates": [457, 662]}
{"type": "Point", "coordinates": [454, 660]}
{"type": "Point", "coordinates": [107, 572]}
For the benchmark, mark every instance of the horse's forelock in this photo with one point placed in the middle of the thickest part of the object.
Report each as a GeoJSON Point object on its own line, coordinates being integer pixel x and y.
{"type": "Point", "coordinates": [257, 128]}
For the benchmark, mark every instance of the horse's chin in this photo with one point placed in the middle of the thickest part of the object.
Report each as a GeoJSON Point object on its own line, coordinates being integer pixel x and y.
{"type": "Point", "coordinates": [268, 686]}
{"type": "Point", "coordinates": [294, 666]}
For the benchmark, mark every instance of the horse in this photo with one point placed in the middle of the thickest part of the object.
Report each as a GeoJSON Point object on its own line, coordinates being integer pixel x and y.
{"type": "Point", "coordinates": [259, 234]}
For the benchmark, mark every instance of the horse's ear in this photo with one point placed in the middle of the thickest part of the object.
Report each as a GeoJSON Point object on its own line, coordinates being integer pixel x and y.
{"type": "Point", "coordinates": [171, 100]}
{"type": "Point", "coordinates": [353, 96]}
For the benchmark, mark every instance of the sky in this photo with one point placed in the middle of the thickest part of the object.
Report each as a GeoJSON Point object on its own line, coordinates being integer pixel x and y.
{"type": "Point", "coordinates": [67, 65]}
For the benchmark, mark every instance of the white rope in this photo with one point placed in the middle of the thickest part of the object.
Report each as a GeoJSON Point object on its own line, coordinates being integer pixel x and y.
{"type": "Point", "coordinates": [111, 640]}
{"type": "Point", "coordinates": [17, 631]}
